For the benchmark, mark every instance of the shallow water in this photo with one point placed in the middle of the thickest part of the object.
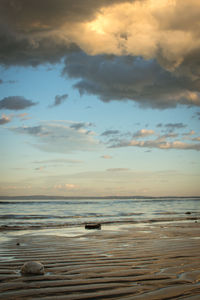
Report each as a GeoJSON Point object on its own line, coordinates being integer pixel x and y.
{"type": "Point", "coordinates": [34, 213]}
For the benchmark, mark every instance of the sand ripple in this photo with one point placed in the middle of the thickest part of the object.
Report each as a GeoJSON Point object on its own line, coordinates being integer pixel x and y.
{"type": "Point", "coordinates": [134, 263]}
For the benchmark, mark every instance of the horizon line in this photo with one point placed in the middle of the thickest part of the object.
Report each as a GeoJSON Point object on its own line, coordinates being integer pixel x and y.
{"type": "Point", "coordinates": [94, 197]}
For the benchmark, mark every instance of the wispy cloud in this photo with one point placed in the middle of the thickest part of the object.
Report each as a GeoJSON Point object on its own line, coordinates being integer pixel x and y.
{"type": "Point", "coordinates": [58, 161]}
{"type": "Point", "coordinates": [23, 116]}
{"type": "Point", "coordinates": [60, 137]}
{"type": "Point", "coordinates": [159, 143]}
{"type": "Point", "coordinates": [118, 170]}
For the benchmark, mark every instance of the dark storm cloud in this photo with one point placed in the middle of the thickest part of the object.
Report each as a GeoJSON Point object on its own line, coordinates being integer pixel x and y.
{"type": "Point", "coordinates": [25, 50]}
{"type": "Point", "coordinates": [130, 78]}
{"type": "Point", "coordinates": [15, 103]}
{"type": "Point", "coordinates": [29, 30]}
{"type": "Point", "coordinates": [50, 13]}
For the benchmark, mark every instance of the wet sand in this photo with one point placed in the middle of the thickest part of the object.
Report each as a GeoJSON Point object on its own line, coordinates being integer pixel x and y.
{"type": "Point", "coordinates": [152, 261]}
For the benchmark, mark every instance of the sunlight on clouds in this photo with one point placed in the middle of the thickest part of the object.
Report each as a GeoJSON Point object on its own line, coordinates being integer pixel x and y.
{"type": "Point", "coordinates": [97, 25]}
{"type": "Point", "coordinates": [142, 28]}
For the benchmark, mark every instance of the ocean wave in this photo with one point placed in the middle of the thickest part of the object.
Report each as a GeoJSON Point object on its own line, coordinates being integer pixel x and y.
{"type": "Point", "coordinates": [95, 201]}
{"type": "Point", "coordinates": [84, 215]}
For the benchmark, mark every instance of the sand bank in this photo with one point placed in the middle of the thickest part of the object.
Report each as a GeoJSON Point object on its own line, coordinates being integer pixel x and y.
{"type": "Point", "coordinates": [157, 261]}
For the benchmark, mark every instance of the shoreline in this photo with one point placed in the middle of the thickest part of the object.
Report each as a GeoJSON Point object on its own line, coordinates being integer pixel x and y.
{"type": "Point", "coordinates": [154, 261]}
{"type": "Point", "coordinates": [187, 217]}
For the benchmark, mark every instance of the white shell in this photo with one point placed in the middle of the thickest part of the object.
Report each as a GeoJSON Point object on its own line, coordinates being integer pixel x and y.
{"type": "Point", "coordinates": [32, 267]}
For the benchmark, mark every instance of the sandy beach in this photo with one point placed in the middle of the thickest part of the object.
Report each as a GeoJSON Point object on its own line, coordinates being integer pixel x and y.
{"type": "Point", "coordinates": [152, 261]}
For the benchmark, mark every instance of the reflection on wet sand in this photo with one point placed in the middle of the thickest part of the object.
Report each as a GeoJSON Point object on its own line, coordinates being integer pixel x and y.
{"type": "Point", "coordinates": [126, 262]}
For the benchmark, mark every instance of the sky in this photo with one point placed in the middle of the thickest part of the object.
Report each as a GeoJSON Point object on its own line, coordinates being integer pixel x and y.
{"type": "Point", "coordinates": [100, 98]}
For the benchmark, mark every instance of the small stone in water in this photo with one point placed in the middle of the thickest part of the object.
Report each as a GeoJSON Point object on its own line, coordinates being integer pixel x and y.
{"type": "Point", "coordinates": [32, 268]}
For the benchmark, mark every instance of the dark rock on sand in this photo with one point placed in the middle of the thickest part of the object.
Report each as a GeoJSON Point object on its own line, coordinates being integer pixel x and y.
{"type": "Point", "coordinates": [32, 268]}
{"type": "Point", "coordinates": [93, 226]}
{"type": "Point", "coordinates": [18, 244]}
{"type": "Point", "coordinates": [188, 213]}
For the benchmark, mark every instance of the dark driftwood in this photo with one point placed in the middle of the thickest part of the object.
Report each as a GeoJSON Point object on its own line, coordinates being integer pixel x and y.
{"type": "Point", "coordinates": [93, 226]}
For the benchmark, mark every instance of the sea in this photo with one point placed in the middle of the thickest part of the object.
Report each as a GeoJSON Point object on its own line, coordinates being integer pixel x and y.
{"type": "Point", "coordinates": [31, 214]}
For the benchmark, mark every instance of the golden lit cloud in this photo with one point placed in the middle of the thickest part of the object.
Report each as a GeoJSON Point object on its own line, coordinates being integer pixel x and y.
{"type": "Point", "coordinates": [167, 30]}
{"type": "Point", "coordinates": [152, 29]}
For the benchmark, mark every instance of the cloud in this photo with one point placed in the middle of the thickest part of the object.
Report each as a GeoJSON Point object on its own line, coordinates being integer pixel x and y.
{"type": "Point", "coordinates": [34, 130]}
{"type": "Point", "coordinates": [40, 168]}
{"type": "Point", "coordinates": [8, 81]}
{"type": "Point", "coordinates": [145, 51]}
{"type": "Point", "coordinates": [196, 139]}
{"type": "Point", "coordinates": [59, 161]}
{"type": "Point", "coordinates": [59, 137]}
{"type": "Point", "coordinates": [44, 31]}
{"type": "Point", "coordinates": [160, 143]}
{"type": "Point", "coordinates": [59, 99]}
{"type": "Point", "coordinates": [79, 125]}
{"type": "Point", "coordinates": [110, 132]}
{"type": "Point", "coordinates": [4, 119]}
{"type": "Point", "coordinates": [167, 141]}
{"type": "Point", "coordinates": [23, 117]}
{"type": "Point", "coordinates": [175, 125]}
{"type": "Point", "coordinates": [188, 134]}
{"type": "Point", "coordinates": [118, 170]}
{"type": "Point", "coordinates": [106, 156]}
{"type": "Point", "coordinates": [66, 186]}
{"type": "Point", "coordinates": [15, 103]}
{"type": "Point", "coordinates": [144, 133]}
{"type": "Point", "coordinates": [169, 135]}
{"type": "Point", "coordinates": [131, 78]}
